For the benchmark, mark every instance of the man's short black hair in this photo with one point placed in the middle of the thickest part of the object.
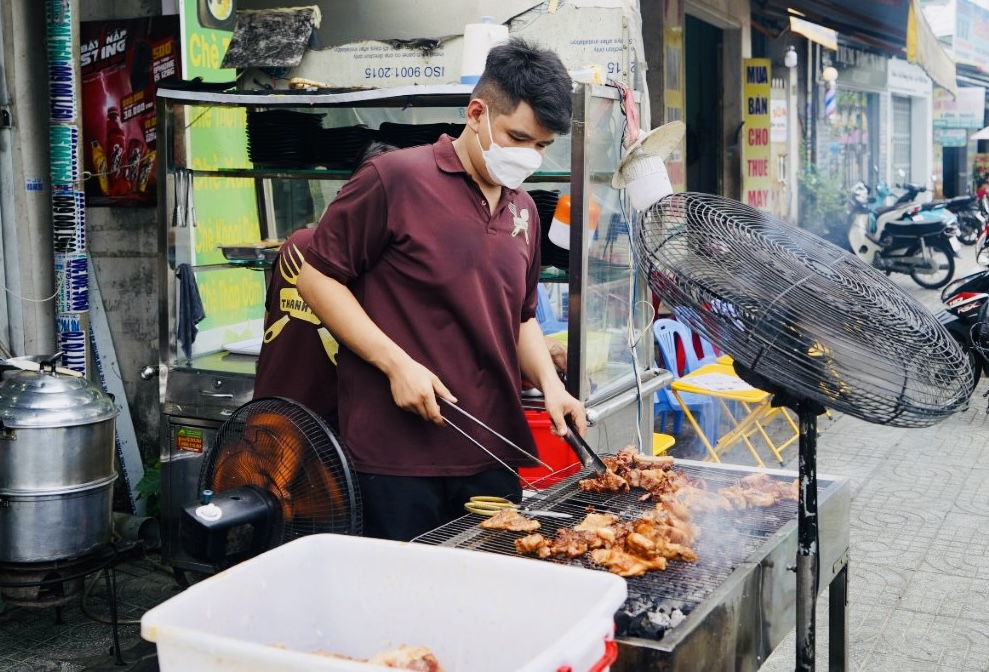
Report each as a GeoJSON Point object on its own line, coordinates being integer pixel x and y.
{"type": "Point", "coordinates": [518, 71]}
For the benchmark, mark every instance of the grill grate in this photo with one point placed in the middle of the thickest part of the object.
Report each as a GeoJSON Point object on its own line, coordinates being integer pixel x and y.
{"type": "Point", "coordinates": [726, 540]}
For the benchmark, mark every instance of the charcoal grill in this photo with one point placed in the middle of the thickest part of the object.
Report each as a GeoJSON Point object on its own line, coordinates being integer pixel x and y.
{"type": "Point", "coordinates": [731, 608]}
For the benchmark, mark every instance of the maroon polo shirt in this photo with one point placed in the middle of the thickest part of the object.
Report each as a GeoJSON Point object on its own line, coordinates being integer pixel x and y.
{"type": "Point", "coordinates": [412, 236]}
{"type": "Point", "coordinates": [296, 355]}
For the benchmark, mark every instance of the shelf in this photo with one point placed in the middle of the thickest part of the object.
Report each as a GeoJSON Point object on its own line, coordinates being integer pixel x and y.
{"type": "Point", "coordinates": [446, 95]}
{"type": "Point", "coordinates": [329, 174]}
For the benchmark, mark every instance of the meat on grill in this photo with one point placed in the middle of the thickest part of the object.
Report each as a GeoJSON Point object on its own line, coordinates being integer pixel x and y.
{"type": "Point", "coordinates": [609, 481]}
{"type": "Point", "coordinates": [625, 564]}
{"type": "Point", "coordinates": [625, 548]}
{"type": "Point", "coordinates": [511, 520]}
{"type": "Point", "coordinates": [759, 490]}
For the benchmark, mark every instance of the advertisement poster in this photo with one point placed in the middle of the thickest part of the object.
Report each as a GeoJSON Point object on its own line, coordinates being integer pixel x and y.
{"type": "Point", "coordinates": [226, 206]}
{"type": "Point", "coordinates": [122, 63]}
{"type": "Point", "coordinates": [756, 180]}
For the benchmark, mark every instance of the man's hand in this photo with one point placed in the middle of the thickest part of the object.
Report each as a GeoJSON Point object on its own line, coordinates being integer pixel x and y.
{"type": "Point", "coordinates": [559, 405]}
{"type": "Point", "coordinates": [558, 353]}
{"type": "Point", "coordinates": [415, 388]}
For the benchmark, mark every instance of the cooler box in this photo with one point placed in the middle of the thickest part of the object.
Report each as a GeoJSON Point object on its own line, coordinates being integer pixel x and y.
{"type": "Point", "coordinates": [553, 450]}
{"type": "Point", "coordinates": [476, 611]}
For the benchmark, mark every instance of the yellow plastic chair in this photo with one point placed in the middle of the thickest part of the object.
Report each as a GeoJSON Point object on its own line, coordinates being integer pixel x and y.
{"type": "Point", "coordinates": [661, 443]}
{"type": "Point", "coordinates": [721, 382]}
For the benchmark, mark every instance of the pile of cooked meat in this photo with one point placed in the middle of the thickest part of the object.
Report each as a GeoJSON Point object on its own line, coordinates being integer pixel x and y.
{"type": "Point", "coordinates": [665, 532]}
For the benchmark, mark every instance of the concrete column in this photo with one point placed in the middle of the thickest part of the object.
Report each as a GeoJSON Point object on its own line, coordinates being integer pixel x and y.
{"type": "Point", "coordinates": [25, 190]}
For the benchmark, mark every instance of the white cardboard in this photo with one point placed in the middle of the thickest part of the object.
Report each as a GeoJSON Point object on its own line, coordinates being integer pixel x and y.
{"type": "Point", "coordinates": [582, 32]}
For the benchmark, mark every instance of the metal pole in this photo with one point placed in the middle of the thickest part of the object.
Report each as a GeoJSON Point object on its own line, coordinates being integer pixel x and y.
{"type": "Point", "coordinates": [808, 542]}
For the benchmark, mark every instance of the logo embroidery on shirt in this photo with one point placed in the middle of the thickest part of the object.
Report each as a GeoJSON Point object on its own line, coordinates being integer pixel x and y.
{"type": "Point", "coordinates": [520, 221]}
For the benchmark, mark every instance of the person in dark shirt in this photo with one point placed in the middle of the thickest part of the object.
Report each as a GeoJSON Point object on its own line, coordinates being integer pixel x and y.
{"type": "Point", "coordinates": [425, 268]}
{"type": "Point", "coordinates": [298, 354]}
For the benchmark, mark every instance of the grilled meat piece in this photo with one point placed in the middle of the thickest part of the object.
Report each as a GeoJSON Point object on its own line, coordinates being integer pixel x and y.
{"type": "Point", "coordinates": [609, 481]}
{"type": "Point", "coordinates": [701, 501]}
{"type": "Point", "coordinates": [511, 520]}
{"type": "Point", "coordinates": [568, 543]}
{"type": "Point", "coordinates": [625, 564]}
{"type": "Point", "coordinates": [533, 544]}
{"type": "Point", "coordinates": [593, 521]}
{"type": "Point", "coordinates": [759, 490]}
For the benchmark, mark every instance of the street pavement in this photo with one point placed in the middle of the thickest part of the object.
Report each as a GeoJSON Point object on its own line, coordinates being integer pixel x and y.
{"type": "Point", "coordinates": [919, 557]}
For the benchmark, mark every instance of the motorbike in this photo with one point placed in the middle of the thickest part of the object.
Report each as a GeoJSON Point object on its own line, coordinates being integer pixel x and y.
{"type": "Point", "coordinates": [899, 239]}
{"type": "Point", "coordinates": [965, 302]}
{"type": "Point", "coordinates": [966, 211]}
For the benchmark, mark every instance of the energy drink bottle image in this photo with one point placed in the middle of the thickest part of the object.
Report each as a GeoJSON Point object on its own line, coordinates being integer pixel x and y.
{"type": "Point", "coordinates": [115, 147]}
{"type": "Point", "coordinates": [135, 151]}
{"type": "Point", "coordinates": [99, 165]}
{"type": "Point", "coordinates": [145, 170]}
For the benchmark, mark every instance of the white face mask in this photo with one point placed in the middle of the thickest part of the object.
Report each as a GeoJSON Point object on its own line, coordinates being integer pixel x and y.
{"type": "Point", "coordinates": [508, 166]}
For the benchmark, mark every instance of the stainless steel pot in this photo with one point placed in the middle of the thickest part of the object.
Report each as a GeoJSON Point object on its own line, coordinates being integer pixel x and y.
{"type": "Point", "coordinates": [56, 466]}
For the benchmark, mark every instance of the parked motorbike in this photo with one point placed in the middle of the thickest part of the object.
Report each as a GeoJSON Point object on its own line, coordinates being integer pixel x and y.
{"type": "Point", "coordinates": [965, 211]}
{"type": "Point", "coordinates": [897, 239]}
{"type": "Point", "coordinates": [965, 301]}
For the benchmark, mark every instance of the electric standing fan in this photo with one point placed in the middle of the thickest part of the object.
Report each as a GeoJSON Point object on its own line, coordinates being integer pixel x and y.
{"type": "Point", "coordinates": [275, 472]}
{"type": "Point", "coordinates": [807, 322]}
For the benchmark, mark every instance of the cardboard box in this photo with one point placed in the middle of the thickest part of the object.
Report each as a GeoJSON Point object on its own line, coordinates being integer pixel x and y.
{"type": "Point", "coordinates": [582, 32]}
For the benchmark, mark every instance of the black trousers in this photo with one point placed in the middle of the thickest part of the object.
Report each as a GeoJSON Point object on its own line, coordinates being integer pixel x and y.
{"type": "Point", "coordinates": [403, 507]}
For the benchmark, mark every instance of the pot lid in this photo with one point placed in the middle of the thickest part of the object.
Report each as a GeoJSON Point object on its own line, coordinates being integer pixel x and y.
{"type": "Point", "coordinates": [46, 399]}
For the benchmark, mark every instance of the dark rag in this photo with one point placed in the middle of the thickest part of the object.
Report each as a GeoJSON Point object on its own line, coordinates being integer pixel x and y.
{"type": "Point", "coordinates": [191, 310]}
{"type": "Point", "coordinates": [270, 37]}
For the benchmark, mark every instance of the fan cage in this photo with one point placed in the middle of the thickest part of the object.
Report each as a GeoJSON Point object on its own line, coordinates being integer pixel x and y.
{"type": "Point", "coordinates": [284, 449]}
{"type": "Point", "coordinates": [800, 312]}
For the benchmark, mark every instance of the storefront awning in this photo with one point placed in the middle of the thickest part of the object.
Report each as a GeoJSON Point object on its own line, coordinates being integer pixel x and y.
{"type": "Point", "coordinates": [897, 27]}
{"type": "Point", "coordinates": [826, 37]}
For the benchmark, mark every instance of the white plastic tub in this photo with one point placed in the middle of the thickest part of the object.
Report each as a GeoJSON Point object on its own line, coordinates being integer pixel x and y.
{"type": "Point", "coordinates": [477, 612]}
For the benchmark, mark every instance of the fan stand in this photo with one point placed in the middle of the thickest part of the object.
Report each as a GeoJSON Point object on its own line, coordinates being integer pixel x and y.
{"type": "Point", "coordinates": [808, 537]}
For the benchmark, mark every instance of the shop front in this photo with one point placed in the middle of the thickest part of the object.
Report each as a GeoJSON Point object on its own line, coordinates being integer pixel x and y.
{"type": "Point", "coordinates": [909, 116]}
{"type": "Point", "coordinates": [849, 132]}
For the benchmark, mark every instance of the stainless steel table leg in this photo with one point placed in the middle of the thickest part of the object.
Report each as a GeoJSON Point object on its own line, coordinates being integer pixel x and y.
{"type": "Point", "coordinates": [838, 621]}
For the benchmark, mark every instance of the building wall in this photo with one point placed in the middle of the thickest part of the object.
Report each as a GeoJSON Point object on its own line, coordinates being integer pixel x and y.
{"type": "Point", "coordinates": [123, 243]}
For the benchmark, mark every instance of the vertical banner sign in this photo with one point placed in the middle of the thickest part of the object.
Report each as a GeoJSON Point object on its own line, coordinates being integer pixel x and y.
{"type": "Point", "coordinates": [756, 180]}
{"type": "Point", "coordinates": [226, 207]}
{"type": "Point", "coordinates": [68, 213]}
{"type": "Point", "coordinates": [122, 63]}
{"type": "Point", "coordinates": [673, 86]}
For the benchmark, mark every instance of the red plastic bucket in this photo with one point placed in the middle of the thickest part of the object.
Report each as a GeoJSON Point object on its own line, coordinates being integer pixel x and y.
{"type": "Point", "coordinates": [553, 450]}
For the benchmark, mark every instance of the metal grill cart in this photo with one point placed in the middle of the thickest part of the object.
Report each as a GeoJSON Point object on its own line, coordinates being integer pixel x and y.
{"type": "Point", "coordinates": [253, 182]}
{"type": "Point", "coordinates": [731, 608]}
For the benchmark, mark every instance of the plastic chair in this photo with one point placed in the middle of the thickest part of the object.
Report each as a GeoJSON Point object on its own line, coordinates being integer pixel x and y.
{"type": "Point", "coordinates": [545, 315]}
{"type": "Point", "coordinates": [665, 333]}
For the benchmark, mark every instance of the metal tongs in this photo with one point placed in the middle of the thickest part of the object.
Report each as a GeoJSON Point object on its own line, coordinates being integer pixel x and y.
{"type": "Point", "coordinates": [479, 423]}
{"type": "Point", "coordinates": [586, 454]}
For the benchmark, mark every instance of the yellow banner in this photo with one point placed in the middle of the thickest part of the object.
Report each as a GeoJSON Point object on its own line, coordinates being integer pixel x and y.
{"type": "Point", "coordinates": [756, 180]}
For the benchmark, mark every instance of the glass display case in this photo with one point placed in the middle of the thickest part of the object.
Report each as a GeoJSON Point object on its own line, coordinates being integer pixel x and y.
{"type": "Point", "coordinates": [239, 171]}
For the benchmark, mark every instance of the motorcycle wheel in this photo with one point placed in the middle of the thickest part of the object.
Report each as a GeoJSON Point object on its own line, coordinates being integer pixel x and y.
{"type": "Point", "coordinates": [976, 362]}
{"type": "Point", "coordinates": [969, 230]}
{"type": "Point", "coordinates": [945, 256]}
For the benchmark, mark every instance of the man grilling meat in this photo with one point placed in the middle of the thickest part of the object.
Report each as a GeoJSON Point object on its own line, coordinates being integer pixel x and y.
{"type": "Point", "coordinates": [425, 269]}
